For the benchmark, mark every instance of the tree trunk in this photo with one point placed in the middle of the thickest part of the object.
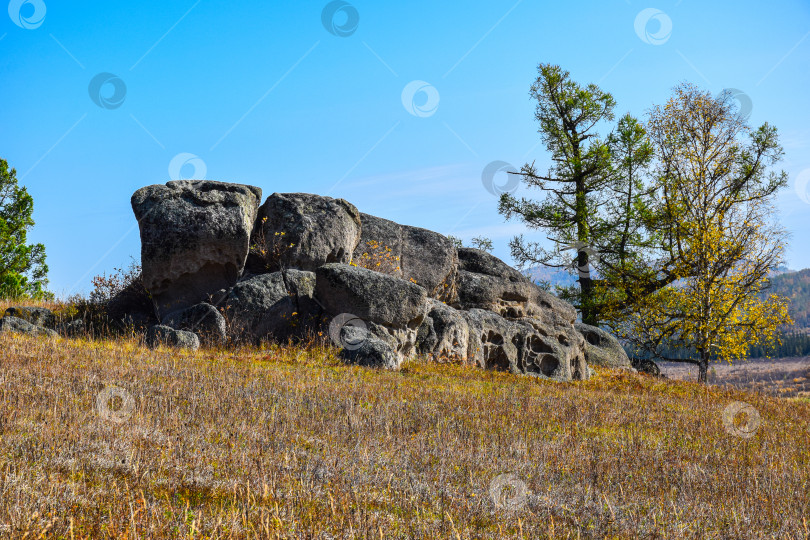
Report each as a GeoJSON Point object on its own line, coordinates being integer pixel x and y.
{"type": "Point", "coordinates": [703, 367]}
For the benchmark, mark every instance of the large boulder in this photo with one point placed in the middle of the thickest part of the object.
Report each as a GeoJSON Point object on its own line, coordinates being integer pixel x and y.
{"type": "Point", "coordinates": [203, 319]}
{"type": "Point", "coordinates": [304, 231]}
{"type": "Point", "coordinates": [372, 296]}
{"type": "Point", "coordinates": [37, 316]}
{"type": "Point", "coordinates": [444, 335]}
{"type": "Point", "coordinates": [165, 335]}
{"type": "Point", "coordinates": [195, 237]}
{"type": "Point", "coordinates": [16, 325]}
{"type": "Point", "coordinates": [391, 308]}
{"type": "Point", "coordinates": [425, 257]}
{"type": "Point", "coordinates": [525, 346]}
{"type": "Point", "coordinates": [486, 282]}
{"type": "Point", "coordinates": [275, 306]}
{"type": "Point", "coordinates": [602, 348]}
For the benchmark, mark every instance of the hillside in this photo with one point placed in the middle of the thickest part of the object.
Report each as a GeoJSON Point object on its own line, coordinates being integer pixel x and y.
{"type": "Point", "coordinates": [109, 439]}
{"type": "Point", "coordinates": [796, 286]}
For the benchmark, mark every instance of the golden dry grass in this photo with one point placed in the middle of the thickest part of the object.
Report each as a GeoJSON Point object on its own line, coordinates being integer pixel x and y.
{"type": "Point", "coordinates": [289, 443]}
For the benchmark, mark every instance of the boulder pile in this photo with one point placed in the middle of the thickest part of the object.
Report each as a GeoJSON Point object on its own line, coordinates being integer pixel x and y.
{"type": "Point", "coordinates": [222, 266]}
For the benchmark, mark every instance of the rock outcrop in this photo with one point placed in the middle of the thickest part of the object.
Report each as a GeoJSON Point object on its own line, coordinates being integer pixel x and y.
{"type": "Point", "coordinates": [382, 291]}
{"type": "Point", "coordinates": [202, 319]}
{"type": "Point", "coordinates": [391, 308]}
{"type": "Point", "coordinates": [444, 335]}
{"type": "Point", "coordinates": [195, 238]}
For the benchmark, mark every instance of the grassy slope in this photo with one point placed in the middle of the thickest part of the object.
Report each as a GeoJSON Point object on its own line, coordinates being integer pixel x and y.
{"type": "Point", "coordinates": [289, 443]}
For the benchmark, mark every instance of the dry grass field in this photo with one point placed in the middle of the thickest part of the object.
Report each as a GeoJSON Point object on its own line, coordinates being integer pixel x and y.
{"type": "Point", "coordinates": [784, 377]}
{"type": "Point", "coordinates": [108, 439]}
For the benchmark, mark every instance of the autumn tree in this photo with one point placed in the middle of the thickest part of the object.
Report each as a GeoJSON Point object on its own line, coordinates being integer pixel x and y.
{"type": "Point", "coordinates": [713, 217]}
{"type": "Point", "coordinates": [568, 115]}
{"type": "Point", "coordinates": [23, 271]}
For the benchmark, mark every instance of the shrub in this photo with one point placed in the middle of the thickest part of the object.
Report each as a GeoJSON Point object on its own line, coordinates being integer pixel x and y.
{"type": "Point", "coordinates": [379, 258]}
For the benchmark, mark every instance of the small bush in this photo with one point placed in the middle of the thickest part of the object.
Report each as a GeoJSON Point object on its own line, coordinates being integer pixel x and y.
{"type": "Point", "coordinates": [379, 258]}
{"type": "Point", "coordinates": [118, 304]}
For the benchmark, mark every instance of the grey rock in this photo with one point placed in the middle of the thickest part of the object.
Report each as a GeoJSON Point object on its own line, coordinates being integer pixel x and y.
{"type": "Point", "coordinates": [391, 308]}
{"type": "Point", "coordinates": [480, 262]}
{"type": "Point", "coordinates": [38, 316]}
{"type": "Point", "coordinates": [444, 335]}
{"type": "Point", "coordinates": [164, 335]}
{"type": "Point", "coordinates": [72, 328]}
{"type": "Point", "coordinates": [19, 326]}
{"type": "Point", "coordinates": [602, 348]}
{"type": "Point", "coordinates": [317, 230]}
{"type": "Point", "coordinates": [367, 350]}
{"type": "Point", "coordinates": [525, 346]}
{"type": "Point", "coordinates": [195, 237]}
{"type": "Point", "coordinates": [275, 306]}
{"type": "Point", "coordinates": [645, 365]}
{"type": "Point", "coordinates": [486, 282]}
{"type": "Point", "coordinates": [427, 258]}
{"type": "Point", "coordinates": [203, 319]}
{"type": "Point", "coordinates": [372, 296]}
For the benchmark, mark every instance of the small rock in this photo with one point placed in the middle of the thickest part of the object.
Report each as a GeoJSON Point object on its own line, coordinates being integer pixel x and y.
{"type": "Point", "coordinates": [645, 365]}
{"type": "Point", "coordinates": [367, 350]}
{"type": "Point", "coordinates": [72, 328]}
{"type": "Point", "coordinates": [203, 319]}
{"type": "Point", "coordinates": [166, 335]}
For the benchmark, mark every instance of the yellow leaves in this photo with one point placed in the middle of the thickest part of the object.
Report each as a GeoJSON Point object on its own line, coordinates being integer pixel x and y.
{"type": "Point", "coordinates": [379, 258]}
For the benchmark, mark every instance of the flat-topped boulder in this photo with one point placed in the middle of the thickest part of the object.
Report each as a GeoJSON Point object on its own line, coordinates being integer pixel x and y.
{"type": "Point", "coordinates": [195, 238]}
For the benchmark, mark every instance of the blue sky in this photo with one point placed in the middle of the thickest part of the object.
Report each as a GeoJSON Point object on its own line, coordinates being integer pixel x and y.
{"type": "Point", "coordinates": [266, 93]}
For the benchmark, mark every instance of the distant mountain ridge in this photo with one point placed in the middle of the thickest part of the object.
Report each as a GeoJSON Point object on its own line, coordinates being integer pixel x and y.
{"type": "Point", "coordinates": [552, 276]}
{"type": "Point", "coordinates": [794, 284]}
